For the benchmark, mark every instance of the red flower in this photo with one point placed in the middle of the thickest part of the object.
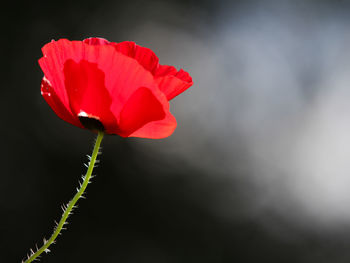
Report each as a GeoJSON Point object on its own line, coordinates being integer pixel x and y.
{"type": "Point", "coordinates": [119, 88]}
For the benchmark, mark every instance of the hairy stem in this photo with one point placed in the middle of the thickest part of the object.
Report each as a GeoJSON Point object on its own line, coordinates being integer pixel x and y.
{"type": "Point", "coordinates": [68, 209]}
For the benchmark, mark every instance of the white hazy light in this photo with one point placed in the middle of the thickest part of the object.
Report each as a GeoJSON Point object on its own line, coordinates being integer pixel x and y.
{"type": "Point", "coordinates": [280, 86]}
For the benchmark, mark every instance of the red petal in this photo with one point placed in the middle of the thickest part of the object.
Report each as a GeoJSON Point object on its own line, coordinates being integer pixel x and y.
{"type": "Point", "coordinates": [56, 104]}
{"type": "Point", "coordinates": [172, 82]}
{"type": "Point", "coordinates": [96, 41]}
{"type": "Point", "coordinates": [143, 55]}
{"type": "Point", "coordinates": [143, 108]}
{"type": "Point", "coordinates": [157, 129]}
{"type": "Point", "coordinates": [88, 95]}
{"type": "Point", "coordinates": [146, 114]}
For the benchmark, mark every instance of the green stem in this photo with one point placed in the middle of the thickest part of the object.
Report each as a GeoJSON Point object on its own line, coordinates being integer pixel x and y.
{"type": "Point", "coordinates": [67, 210]}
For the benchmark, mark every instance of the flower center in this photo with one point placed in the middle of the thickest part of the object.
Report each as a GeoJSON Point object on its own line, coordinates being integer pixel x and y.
{"type": "Point", "coordinates": [90, 122]}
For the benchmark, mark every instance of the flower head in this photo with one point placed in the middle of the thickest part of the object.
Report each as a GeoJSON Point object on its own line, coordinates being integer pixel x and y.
{"type": "Point", "coordinates": [118, 88]}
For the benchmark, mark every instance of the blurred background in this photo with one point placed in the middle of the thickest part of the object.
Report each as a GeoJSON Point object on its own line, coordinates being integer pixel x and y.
{"type": "Point", "coordinates": [258, 169]}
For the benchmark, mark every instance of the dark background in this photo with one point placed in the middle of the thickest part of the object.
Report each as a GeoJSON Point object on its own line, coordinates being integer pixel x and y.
{"type": "Point", "coordinates": [257, 171]}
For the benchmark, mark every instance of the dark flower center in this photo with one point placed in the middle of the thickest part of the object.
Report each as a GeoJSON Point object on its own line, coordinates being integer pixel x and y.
{"type": "Point", "coordinates": [91, 123]}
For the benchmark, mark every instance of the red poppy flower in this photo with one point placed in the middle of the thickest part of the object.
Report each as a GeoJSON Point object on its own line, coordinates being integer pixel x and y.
{"type": "Point", "coordinates": [119, 88]}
